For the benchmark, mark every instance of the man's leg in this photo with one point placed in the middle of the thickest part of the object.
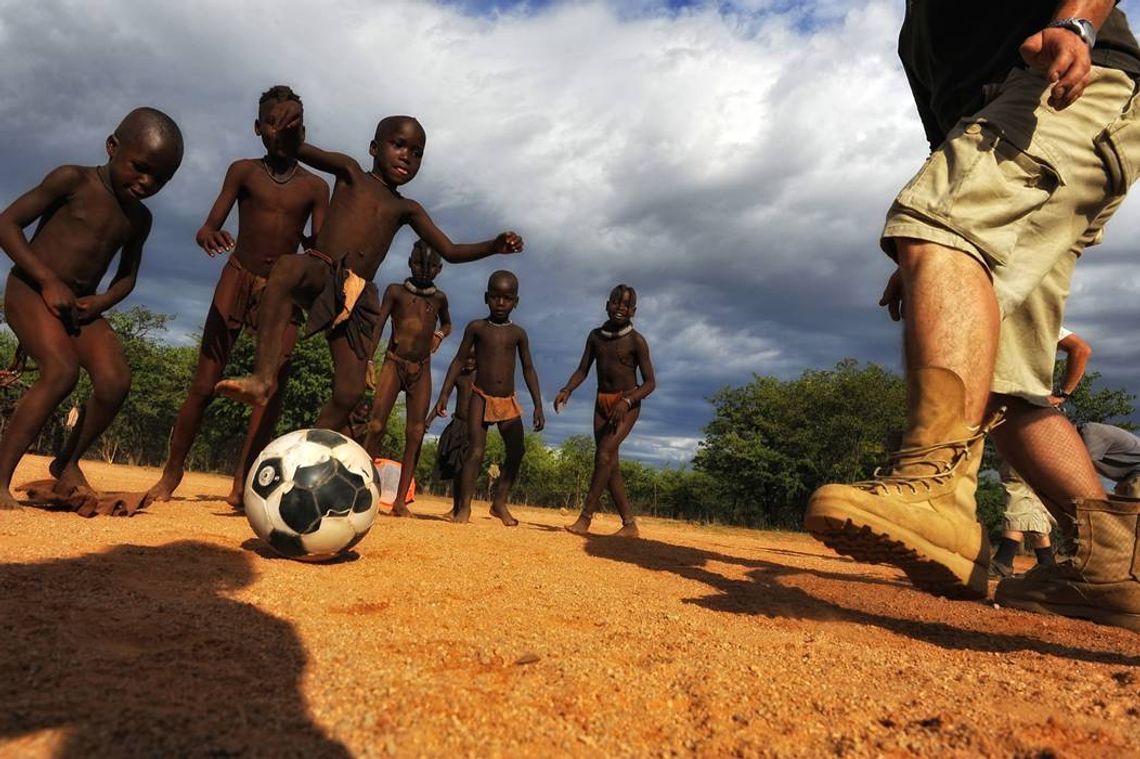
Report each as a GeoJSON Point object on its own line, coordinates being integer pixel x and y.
{"type": "Point", "coordinates": [217, 343]}
{"type": "Point", "coordinates": [515, 446]}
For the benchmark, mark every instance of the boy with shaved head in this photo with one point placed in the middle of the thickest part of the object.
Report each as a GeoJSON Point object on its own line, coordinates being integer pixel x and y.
{"type": "Point", "coordinates": [85, 214]}
{"type": "Point", "coordinates": [334, 280]}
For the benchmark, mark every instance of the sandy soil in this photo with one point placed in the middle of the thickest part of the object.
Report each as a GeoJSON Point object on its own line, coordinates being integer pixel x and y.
{"type": "Point", "coordinates": [173, 633]}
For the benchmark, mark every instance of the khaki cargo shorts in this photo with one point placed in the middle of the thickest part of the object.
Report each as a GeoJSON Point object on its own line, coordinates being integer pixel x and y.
{"type": "Point", "coordinates": [1024, 510]}
{"type": "Point", "coordinates": [1023, 189]}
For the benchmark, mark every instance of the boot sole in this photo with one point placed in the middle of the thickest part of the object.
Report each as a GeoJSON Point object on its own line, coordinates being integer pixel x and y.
{"type": "Point", "coordinates": [877, 541]}
{"type": "Point", "coordinates": [1100, 616]}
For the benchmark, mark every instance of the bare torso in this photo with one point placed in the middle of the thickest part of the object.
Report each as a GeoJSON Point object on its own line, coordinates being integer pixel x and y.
{"type": "Point", "coordinates": [78, 237]}
{"type": "Point", "coordinates": [414, 318]}
{"type": "Point", "coordinates": [363, 217]}
{"type": "Point", "coordinates": [617, 359]}
{"type": "Point", "coordinates": [463, 394]}
{"type": "Point", "coordinates": [496, 346]}
{"type": "Point", "coordinates": [272, 214]}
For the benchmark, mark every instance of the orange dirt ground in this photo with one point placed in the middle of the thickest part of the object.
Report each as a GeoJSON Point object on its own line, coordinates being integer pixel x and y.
{"type": "Point", "coordinates": [173, 633]}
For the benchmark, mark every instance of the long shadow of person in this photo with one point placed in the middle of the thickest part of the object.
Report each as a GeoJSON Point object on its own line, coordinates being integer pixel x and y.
{"type": "Point", "coordinates": [764, 590]}
{"type": "Point", "coordinates": [137, 652]}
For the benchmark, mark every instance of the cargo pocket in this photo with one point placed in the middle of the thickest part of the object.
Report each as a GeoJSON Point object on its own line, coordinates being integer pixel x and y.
{"type": "Point", "coordinates": [984, 185]}
{"type": "Point", "coordinates": [1119, 147]}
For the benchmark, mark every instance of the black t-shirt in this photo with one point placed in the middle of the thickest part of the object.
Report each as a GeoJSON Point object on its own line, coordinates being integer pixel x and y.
{"type": "Point", "coordinates": [950, 49]}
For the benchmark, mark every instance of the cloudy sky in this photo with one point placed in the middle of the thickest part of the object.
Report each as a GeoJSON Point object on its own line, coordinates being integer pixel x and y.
{"type": "Point", "coordinates": [731, 160]}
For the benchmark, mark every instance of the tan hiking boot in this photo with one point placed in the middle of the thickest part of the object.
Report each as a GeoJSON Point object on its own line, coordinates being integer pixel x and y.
{"type": "Point", "coordinates": [1101, 581]}
{"type": "Point", "coordinates": [920, 515]}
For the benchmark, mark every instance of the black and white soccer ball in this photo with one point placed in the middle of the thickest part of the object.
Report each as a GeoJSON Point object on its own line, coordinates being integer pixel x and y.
{"type": "Point", "coordinates": [312, 494]}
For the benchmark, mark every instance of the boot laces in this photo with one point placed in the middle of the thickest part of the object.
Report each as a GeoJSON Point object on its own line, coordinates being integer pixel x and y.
{"type": "Point", "coordinates": [940, 470]}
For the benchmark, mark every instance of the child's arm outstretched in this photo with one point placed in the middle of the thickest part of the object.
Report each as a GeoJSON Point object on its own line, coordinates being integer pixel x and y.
{"type": "Point", "coordinates": [578, 377]}
{"type": "Point", "coordinates": [288, 115]}
{"type": "Point", "coordinates": [457, 253]}
{"type": "Point", "coordinates": [33, 204]}
{"type": "Point", "coordinates": [211, 237]}
{"type": "Point", "coordinates": [530, 376]}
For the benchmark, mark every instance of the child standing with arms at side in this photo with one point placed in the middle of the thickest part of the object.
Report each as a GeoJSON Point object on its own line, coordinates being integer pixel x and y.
{"type": "Point", "coordinates": [415, 306]}
{"type": "Point", "coordinates": [496, 341]}
{"type": "Point", "coordinates": [275, 198]}
{"type": "Point", "coordinates": [621, 353]}
{"type": "Point", "coordinates": [87, 215]}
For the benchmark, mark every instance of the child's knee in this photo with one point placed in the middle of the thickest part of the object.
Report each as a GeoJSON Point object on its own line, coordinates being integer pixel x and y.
{"type": "Point", "coordinates": [60, 374]}
{"type": "Point", "coordinates": [415, 431]}
{"type": "Point", "coordinates": [112, 388]}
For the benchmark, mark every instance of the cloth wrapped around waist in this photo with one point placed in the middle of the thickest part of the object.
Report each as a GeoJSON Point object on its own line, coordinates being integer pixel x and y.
{"type": "Point", "coordinates": [496, 409]}
{"type": "Point", "coordinates": [348, 302]}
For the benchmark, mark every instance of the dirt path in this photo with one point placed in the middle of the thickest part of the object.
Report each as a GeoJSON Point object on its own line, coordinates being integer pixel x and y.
{"type": "Point", "coordinates": [171, 634]}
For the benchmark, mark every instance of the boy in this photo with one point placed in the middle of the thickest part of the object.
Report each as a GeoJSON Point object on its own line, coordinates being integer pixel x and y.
{"type": "Point", "coordinates": [621, 353]}
{"type": "Point", "coordinates": [86, 215]}
{"type": "Point", "coordinates": [334, 280]}
{"type": "Point", "coordinates": [415, 306]}
{"type": "Point", "coordinates": [275, 197]}
{"type": "Point", "coordinates": [452, 448]}
{"type": "Point", "coordinates": [495, 341]}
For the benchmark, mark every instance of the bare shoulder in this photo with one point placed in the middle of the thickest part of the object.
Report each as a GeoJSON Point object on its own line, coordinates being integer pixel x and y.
{"type": "Point", "coordinates": [640, 340]}
{"type": "Point", "coordinates": [312, 180]}
{"type": "Point", "coordinates": [242, 167]}
{"type": "Point", "coordinates": [68, 177]}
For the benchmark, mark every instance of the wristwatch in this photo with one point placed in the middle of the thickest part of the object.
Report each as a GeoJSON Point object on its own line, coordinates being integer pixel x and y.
{"type": "Point", "coordinates": [1081, 27]}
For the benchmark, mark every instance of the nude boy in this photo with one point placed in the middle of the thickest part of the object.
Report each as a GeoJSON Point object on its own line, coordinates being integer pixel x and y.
{"type": "Point", "coordinates": [415, 306]}
{"type": "Point", "coordinates": [496, 341]}
{"type": "Point", "coordinates": [621, 352]}
{"type": "Point", "coordinates": [334, 280]}
{"type": "Point", "coordinates": [275, 197]}
{"type": "Point", "coordinates": [87, 215]}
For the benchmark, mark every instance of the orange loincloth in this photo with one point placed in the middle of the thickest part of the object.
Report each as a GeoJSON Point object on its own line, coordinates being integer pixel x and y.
{"type": "Point", "coordinates": [84, 502]}
{"type": "Point", "coordinates": [496, 409]}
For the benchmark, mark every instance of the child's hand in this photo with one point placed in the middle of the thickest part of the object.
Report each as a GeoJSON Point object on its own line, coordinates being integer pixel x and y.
{"type": "Point", "coordinates": [59, 298]}
{"type": "Point", "coordinates": [287, 114]}
{"type": "Point", "coordinates": [560, 400]}
{"type": "Point", "coordinates": [618, 412]}
{"type": "Point", "coordinates": [893, 296]}
{"type": "Point", "coordinates": [539, 419]}
{"type": "Point", "coordinates": [508, 242]}
{"type": "Point", "coordinates": [440, 409]}
{"type": "Point", "coordinates": [214, 241]}
{"type": "Point", "coordinates": [436, 340]}
{"type": "Point", "coordinates": [88, 307]}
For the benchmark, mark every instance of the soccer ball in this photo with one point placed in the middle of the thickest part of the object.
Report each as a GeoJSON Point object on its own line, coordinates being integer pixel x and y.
{"type": "Point", "coordinates": [312, 494]}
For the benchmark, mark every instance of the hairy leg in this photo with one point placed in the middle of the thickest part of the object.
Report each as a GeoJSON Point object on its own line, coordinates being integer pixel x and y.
{"type": "Point", "coordinates": [217, 343]}
{"type": "Point", "coordinates": [515, 445]}
{"type": "Point", "coordinates": [952, 317]}
{"type": "Point", "coordinates": [1046, 450]}
{"type": "Point", "coordinates": [476, 447]}
{"type": "Point", "coordinates": [101, 354]}
{"type": "Point", "coordinates": [349, 373]}
{"type": "Point", "coordinates": [417, 398]}
{"type": "Point", "coordinates": [383, 399]}
{"type": "Point", "coordinates": [43, 337]}
{"type": "Point", "coordinates": [292, 280]}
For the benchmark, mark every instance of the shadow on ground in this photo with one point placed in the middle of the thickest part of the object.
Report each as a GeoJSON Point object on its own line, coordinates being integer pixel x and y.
{"type": "Point", "coordinates": [764, 591]}
{"type": "Point", "coordinates": [136, 652]}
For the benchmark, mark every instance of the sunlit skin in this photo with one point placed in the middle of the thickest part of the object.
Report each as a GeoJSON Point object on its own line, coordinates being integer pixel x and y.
{"type": "Point", "coordinates": [365, 212]}
{"type": "Point", "coordinates": [275, 197]}
{"type": "Point", "coordinates": [619, 359]}
{"type": "Point", "coordinates": [86, 215]}
{"type": "Point", "coordinates": [495, 342]}
{"type": "Point", "coordinates": [414, 338]}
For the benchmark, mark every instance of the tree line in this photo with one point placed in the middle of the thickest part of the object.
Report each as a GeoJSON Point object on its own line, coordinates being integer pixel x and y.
{"type": "Point", "coordinates": [770, 444]}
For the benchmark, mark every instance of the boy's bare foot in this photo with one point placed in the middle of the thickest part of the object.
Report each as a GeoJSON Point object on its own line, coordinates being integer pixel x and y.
{"type": "Point", "coordinates": [69, 478]}
{"type": "Point", "coordinates": [581, 525]}
{"type": "Point", "coordinates": [462, 516]}
{"type": "Point", "coordinates": [628, 530]}
{"type": "Point", "coordinates": [249, 390]}
{"type": "Point", "coordinates": [504, 515]}
{"type": "Point", "coordinates": [400, 509]}
{"type": "Point", "coordinates": [8, 502]}
{"type": "Point", "coordinates": [164, 488]}
{"type": "Point", "coordinates": [236, 498]}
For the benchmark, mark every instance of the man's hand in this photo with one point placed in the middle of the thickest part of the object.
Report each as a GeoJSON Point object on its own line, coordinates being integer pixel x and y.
{"type": "Point", "coordinates": [1064, 57]}
{"type": "Point", "coordinates": [507, 242]}
{"type": "Point", "coordinates": [214, 241]}
{"type": "Point", "coordinates": [893, 296]}
{"type": "Point", "coordinates": [539, 419]}
{"type": "Point", "coordinates": [560, 400]}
